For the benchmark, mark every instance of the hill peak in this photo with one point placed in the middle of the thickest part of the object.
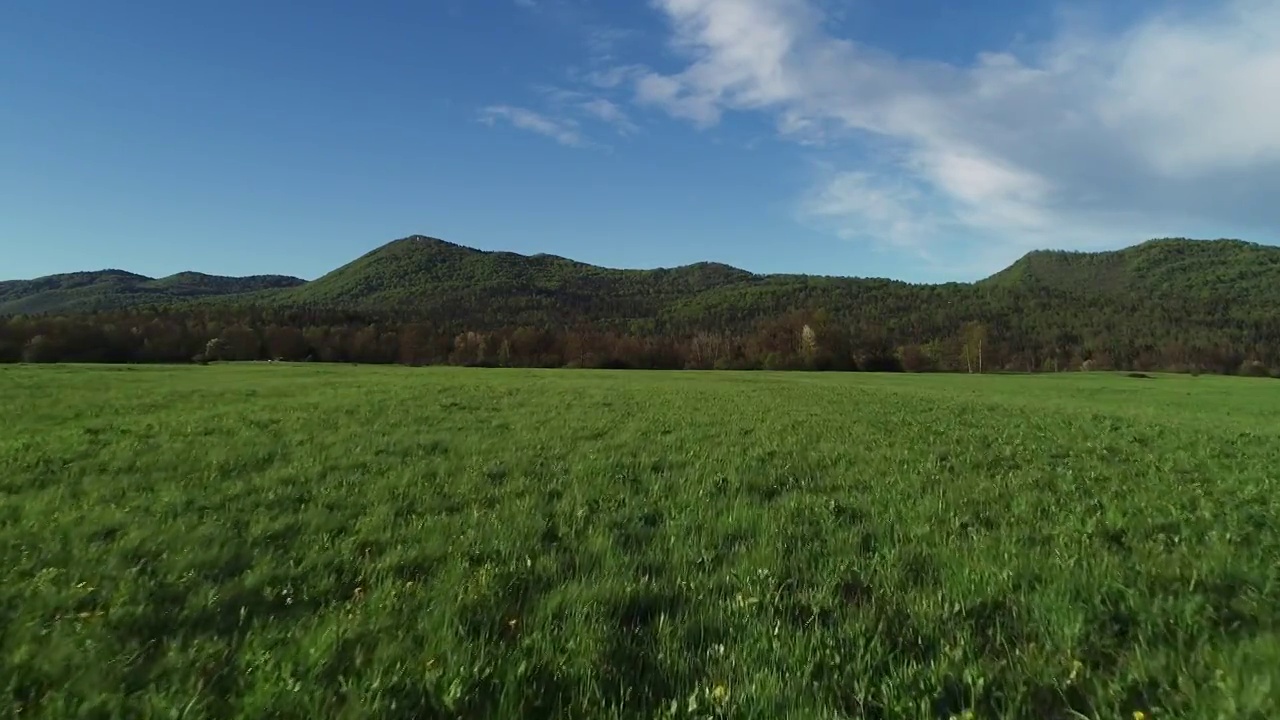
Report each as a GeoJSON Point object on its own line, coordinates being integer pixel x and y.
{"type": "Point", "coordinates": [418, 245]}
{"type": "Point", "coordinates": [422, 239]}
{"type": "Point", "coordinates": [1224, 267]}
{"type": "Point", "coordinates": [105, 274]}
{"type": "Point", "coordinates": [426, 241]}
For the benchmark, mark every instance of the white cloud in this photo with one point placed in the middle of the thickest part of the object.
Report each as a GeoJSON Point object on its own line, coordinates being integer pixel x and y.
{"type": "Point", "coordinates": [701, 108]}
{"type": "Point", "coordinates": [1096, 139]}
{"type": "Point", "coordinates": [1205, 97]}
{"type": "Point", "coordinates": [565, 102]}
{"type": "Point", "coordinates": [563, 131]}
{"type": "Point", "coordinates": [609, 112]}
{"type": "Point", "coordinates": [557, 122]}
{"type": "Point", "coordinates": [612, 77]}
{"type": "Point", "coordinates": [864, 206]}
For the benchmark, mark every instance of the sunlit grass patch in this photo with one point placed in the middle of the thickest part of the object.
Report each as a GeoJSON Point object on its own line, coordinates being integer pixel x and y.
{"type": "Point", "coordinates": [297, 541]}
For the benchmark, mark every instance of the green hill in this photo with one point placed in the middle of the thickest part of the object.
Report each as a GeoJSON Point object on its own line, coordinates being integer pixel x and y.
{"type": "Point", "coordinates": [108, 289]}
{"type": "Point", "coordinates": [417, 270]}
{"type": "Point", "coordinates": [1170, 303]}
{"type": "Point", "coordinates": [434, 279]}
{"type": "Point", "coordinates": [1224, 269]}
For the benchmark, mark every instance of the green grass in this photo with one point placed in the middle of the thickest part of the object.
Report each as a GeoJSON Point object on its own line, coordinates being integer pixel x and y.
{"type": "Point", "coordinates": [359, 542]}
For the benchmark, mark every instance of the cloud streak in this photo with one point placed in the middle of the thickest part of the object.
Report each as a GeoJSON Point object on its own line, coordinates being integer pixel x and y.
{"type": "Point", "coordinates": [563, 131]}
{"type": "Point", "coordinates": [1095, 139]}
{"type": "Point", "coordinates": [609, 112]}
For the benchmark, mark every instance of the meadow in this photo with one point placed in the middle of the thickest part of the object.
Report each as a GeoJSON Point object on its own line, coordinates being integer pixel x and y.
{"type": "Point", "coordinates": [298, 541]}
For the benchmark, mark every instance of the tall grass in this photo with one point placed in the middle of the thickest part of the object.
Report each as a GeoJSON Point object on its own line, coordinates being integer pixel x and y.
{"type": "Point", "coordinates": [296, 541]}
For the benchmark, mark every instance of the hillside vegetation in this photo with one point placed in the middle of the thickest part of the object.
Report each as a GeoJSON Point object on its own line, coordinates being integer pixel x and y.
{"type": "Point", "coordinates": [1165, 304]}
{"type": "Point", "coordinates": [434, 278]}
{"type": "Point", "coordinates": [108, 289]}
{"type": "Point", "coordinates": [421, 274]}
{"type": "Point", "coordinates": [1224, 269]}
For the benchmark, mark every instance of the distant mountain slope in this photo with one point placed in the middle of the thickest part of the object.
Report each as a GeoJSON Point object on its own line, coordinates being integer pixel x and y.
{"type": "Point", "coordinates": [106, 289]}
{"type": "Point", "coordinates": [408, 271]}
{"type": "Point", "coordinates": [440, 279]}
{"type": "Point", "coordinates": [1224, 269]}
{"type": "Point", "coordinates": [435, 279]}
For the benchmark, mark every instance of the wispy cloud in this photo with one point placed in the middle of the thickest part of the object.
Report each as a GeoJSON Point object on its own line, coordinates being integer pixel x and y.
{"type": "Point", "coordinates": [1094, 139]}
{"type": "Point", "coordinates": [583, 19]}
{"type": "Point", "coordinates": [603, 41]}
{"type": "Point", "coordinates": [567, 107]}
{"type": "Point", "coordinates": [611, 77]}
{"type": "Point", "coordinates": [562, 111]}
{"type": "Point", "coordinates": [563, 131]}
{"type": "Point", "coordinates": [864, 206]}
{"type": "Point", "coordinates": [609, 112]}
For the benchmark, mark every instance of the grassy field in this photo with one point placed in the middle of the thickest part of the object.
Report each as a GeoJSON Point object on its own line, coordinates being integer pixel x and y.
{"type": "Point", "coordinates": [275, 541]}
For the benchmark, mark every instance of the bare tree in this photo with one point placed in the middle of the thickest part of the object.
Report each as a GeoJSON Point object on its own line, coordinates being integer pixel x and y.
{"type": "Point", "coordinates": [974, 336]}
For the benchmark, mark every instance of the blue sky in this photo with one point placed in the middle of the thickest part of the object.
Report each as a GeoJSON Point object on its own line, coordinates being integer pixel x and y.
{"type": "Point", "coordinates": [924, 140]}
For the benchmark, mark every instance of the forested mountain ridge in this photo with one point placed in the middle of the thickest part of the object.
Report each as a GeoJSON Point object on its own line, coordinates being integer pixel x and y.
{"type": "Point", "coordinates": [399, 273]}
{"type": "Point", "coordinates": [428, 275]}
{"type": "Point", "coordinates": [110, 289]}
{"type": "Point", "coordinates": [1166, 267]}
{"type": "Point", "coordinates": [1163, 304]}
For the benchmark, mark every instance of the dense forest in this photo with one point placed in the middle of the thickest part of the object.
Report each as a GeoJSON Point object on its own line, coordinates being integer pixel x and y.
{"type": "Point", "coordinates": [1171, 304]}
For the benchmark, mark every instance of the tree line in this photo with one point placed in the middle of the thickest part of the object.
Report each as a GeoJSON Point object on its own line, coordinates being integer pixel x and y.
{"type": "Point", "coordinates": [795, 339]}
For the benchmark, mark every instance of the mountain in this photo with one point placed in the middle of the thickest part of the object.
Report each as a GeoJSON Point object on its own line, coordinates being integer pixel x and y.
{"type": "Point", "coordinates": [1163, 304]}
{"type": "Point", "coordinates": [414, 270]}
{"type": "Point", "coordinates": [108, 289]}
{"type": "Point", "coordinates": [435, 279]}
{"type": "Point", "coordinates": [431, 278]}
{"type": "Point", "coordinates": [1222, 269]}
